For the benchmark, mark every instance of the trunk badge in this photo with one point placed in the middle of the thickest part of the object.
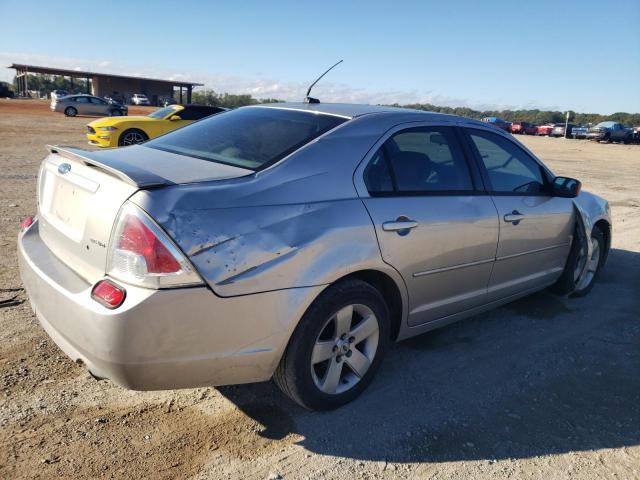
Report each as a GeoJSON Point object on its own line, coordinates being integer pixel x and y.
{"type": "Point", "coordinates": [64, 168]}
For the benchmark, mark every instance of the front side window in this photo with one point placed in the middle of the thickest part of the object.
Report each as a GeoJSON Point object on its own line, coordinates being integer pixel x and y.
{"type": "Point", "coordinates": [419, 160]}
{"type": "Point", "coordinates": [252, 137]}
{"type": "Point", "coordinates": [98, 101]}
{"type": "Point", "coordinates": [510, 168]}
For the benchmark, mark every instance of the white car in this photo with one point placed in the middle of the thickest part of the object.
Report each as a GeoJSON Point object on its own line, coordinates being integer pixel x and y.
{"type": "Point", "coordinates": [56, 94]}
{"type": "Point", "coordinates": [140, 99]}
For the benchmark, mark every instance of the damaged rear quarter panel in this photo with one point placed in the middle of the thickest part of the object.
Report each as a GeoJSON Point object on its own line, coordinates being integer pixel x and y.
{"type": "Point", "coordinates": [267, 248]}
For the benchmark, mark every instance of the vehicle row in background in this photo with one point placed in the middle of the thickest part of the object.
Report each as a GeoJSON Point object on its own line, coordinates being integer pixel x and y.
{"type": "Point", "coordinates": [73, 105]}
{"type": "Point", "coordinates": [119, 132]}
{"type": "Point", "coordinates": [603, 131]}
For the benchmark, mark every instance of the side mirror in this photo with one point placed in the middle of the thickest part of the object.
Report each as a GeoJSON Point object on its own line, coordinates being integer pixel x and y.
{"type": "Point", "coordinates": [566, 187]}
{"type": "Point", "coordinates": [175, 118]}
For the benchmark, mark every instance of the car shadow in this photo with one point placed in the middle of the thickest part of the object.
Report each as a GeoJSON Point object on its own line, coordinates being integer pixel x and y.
{"type": "Point", "coordinates": [543, 375]}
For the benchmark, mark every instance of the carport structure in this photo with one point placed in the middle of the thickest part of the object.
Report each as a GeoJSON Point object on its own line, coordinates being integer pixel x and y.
{"type": "Point", "coordinates": [109, 85]}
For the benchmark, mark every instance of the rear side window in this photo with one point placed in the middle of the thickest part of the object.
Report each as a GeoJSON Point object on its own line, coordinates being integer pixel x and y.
{"type": "Point", "coordinates": [510, 168]}
{"type": "Point", "coordinates": [195, 113]}
{"type": "Point", "coordinates": [419, 160]}
{"type": "Point", "coordinates": [252, 138]}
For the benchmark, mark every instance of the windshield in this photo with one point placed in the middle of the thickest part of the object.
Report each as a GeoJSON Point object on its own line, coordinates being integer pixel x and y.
{"type": "Point", "coordinates": [605, 124]}
{"type": "Point", "coordinates": [163, 112]}
{"type": "Point", "coordinates": [252, 138]}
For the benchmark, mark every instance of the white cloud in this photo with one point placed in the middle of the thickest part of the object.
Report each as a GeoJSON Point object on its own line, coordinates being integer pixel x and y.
{"type": "Point", "coordinates": [259, 87]}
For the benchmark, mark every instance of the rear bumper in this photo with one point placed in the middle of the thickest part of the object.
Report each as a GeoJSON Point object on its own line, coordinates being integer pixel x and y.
{"type": "Point", "coordinates": [160, 339]}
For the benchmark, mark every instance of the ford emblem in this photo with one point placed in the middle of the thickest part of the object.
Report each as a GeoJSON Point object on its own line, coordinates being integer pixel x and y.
{"type": "Point", "coordinates": [64, 168]}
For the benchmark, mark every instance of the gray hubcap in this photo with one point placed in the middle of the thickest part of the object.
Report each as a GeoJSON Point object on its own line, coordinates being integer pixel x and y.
{"type": "Point", "coordinates": [132, 138]}
{"type": "Point", "coordinates": [591, 265]}
{"type": "Point", "coordinates": [345, 348]}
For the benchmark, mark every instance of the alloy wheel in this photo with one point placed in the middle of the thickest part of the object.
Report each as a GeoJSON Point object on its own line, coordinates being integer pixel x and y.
{"type": "Point", "coordinates": [345, 349]}
{"type": "Point", "coordinates": [591, 263]}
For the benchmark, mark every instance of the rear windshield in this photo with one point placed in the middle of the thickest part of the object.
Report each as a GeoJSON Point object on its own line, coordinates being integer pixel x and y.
{"type": "Point", "coordinates": [251, 138]}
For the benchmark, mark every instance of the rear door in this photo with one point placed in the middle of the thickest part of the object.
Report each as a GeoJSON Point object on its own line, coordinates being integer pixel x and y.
{"type": "Point", "coordinates": [83, 106]}
{"type": "Point", "coordinates": [535, 227]}
{"type": "Point", "coordinates": [433, 224]}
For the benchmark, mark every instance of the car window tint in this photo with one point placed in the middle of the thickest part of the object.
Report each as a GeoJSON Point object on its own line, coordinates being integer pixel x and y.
{"type": "Point", "coordinates": [377, 176]}
{"type": "Point", "coordinates": [427, 159]}
{"type": "Point", "coordinates": [249, 137]}
{"type": "Point", "coordinates": [98, 101]}
{"type": "Point", "coordinates": [82, 100]}
{"type": "Point", "coordinates": [193, 113]}
{"type": "Point", "coordinates": [510, 168]}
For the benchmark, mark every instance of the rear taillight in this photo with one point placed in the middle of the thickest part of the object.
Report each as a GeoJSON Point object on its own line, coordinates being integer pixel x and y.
{"type": "Point", "coordinates": [108, 294]}
{"type": "Point", "coordinates": [141, 253]}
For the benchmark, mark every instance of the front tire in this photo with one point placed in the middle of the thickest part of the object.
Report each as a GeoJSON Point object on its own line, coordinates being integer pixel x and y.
{"type": "Point", "coordinates": [578, 257]}
{"type": "Point", "coordinates": [132, 136]}
{"type": "Point", "coordinates": [70, 112]}
{"type": "Point", "coordinates": [336, 348]}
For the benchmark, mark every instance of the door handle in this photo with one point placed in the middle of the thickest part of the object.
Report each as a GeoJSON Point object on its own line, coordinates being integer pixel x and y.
{"type": "Point", "coordinates": [513, 217]}
{"type": "Point", "coordinates": [402, 225]}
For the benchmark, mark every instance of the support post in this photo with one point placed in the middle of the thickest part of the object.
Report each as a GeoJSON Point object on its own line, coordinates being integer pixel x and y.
{"type": "Point", "coordinates": [180, 94]}
{"type": "Point", "coordinates": [189, 91]}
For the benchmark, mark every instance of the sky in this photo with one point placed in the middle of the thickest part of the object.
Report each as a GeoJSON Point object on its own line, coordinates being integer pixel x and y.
{"type": "Point", "coordinates": [490, 54]}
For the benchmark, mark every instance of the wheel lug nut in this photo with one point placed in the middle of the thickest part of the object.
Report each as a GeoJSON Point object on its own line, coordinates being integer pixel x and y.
{"type": "Point", "coordinates": [335, 348]}
{"type": "Point", "coordinates": [349, 353]}
{"type": "Point", "coordinates": [339, 358]}
{"type": "Point", "coordinates": [352, 339]}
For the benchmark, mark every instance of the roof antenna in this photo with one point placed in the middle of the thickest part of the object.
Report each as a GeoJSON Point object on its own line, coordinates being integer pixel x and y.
{"type": "Point", "coordinates": [309, 99]}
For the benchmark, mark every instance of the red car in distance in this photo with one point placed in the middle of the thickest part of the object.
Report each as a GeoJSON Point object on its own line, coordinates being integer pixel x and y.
{"type": "Point", "coordinates": [523, 128]}
{"type": "Point", "coordinates": [545, 129]}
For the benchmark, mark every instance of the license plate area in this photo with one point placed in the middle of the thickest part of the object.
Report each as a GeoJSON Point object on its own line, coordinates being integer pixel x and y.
{"type": "Point", "coordinates": [65, 200]}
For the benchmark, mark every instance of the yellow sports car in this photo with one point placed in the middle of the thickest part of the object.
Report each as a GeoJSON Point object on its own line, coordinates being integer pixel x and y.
{"type": "Point", "coordinates": [122, 131]}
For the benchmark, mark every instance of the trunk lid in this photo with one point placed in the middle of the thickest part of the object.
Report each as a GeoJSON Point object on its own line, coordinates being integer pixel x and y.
{"type": "Point", "coordinates": [80, 193]}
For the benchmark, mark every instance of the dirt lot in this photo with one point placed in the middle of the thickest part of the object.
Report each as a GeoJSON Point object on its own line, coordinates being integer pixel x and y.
{"type": "Point", "coordinates": [545, 388]}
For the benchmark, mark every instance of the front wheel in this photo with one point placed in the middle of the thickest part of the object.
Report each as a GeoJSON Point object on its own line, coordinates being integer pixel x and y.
{"type": "Point", "coordinates": [336, 348]}
{"type": "Point", "coordinates": [579, 259]}
{"type": "Point", "coordinates": [115, 113]}
{"type": "Point", "coordinates": [133, 136]}
{"type": "Point", "coordinates": [70, 112]}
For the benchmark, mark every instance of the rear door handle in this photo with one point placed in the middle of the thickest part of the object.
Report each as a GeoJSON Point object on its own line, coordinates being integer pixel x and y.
{"type": "Point", "coordinates": [402, 225]}
{"type": "Point", "coordinates": [513, 217]}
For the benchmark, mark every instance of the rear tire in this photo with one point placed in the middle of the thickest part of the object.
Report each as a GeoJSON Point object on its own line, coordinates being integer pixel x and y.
{"type": "Point", "coordinates": [70, 112]}
{"type": "Point", "coordinates": [336, 348]}
{"type": "Point", "coordinates": [577, 256]}
{"type": "Point", "coordinates": [132, 136]}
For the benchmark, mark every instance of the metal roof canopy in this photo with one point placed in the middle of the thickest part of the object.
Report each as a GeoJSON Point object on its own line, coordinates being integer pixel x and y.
{"type": "Point", "coordinates": [22, 70]}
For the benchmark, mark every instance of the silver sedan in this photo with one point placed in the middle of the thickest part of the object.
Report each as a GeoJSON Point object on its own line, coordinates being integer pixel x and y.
{"type": "Point", "coordinates": [295, 242]}
{"type": "Point", "coordinates": [73, 105]}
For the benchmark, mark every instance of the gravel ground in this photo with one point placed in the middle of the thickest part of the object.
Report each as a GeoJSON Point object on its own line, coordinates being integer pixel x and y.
{"type": "Point", "coordinates": [546, 387]}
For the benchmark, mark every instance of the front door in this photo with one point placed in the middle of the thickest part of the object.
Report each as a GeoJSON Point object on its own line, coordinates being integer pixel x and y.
{"type": "Point", "coordinates": [536, 228]}
{"type": "Point", "coordinates": [432, 224]}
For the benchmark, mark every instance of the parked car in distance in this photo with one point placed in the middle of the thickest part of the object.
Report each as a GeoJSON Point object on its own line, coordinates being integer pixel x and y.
{"type": "Point", "coordinates": [58, 94]}
{"type": "Point", "coordinates": [140, 99]}
{"type": "Point", "coordinates": [120, 132]}
{"type": "Point", "coordinates": [498, 123]}
{"type": "Point", "coordinates": [609, 132]}
{"type": "Point", "coordinates": [287, 241]}
{"type": "Point", "coordinates": [580, 132]}
{"type": "Point", "coordinates": [523, 128]}
{"type": "Point", "coordinates": [545, 129]}
{"type": "Point", "coordinates": [73, 105]}
{"type": "Point", "coordinates": [559, 130]}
